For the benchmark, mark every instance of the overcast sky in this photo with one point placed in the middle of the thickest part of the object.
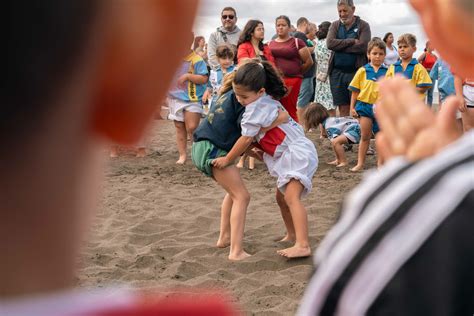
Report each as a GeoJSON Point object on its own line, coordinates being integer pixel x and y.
{"type": "Point", "coordinates": [384, 16]}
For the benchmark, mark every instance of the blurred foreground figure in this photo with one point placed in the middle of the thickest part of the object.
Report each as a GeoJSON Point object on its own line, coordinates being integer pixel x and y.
{"type": "Point", "coordinates": [404, 243]}
{"type": "Point", "coordinates": [79, 72]}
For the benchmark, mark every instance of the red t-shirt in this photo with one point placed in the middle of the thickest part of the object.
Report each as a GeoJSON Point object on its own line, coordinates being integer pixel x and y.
{"type": "Point", "coordinates": [246, 51]}
{"type": "Point", "coordinates": [287, 57]}
{"type": "Point", "coordinates": [429, 61]}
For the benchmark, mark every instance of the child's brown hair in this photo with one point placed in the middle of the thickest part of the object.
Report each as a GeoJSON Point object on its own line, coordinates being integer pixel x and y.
{"type": "Point", "coordinates": [408, 39]}
{"type": "Point", "coordinates": [225, 51]}
{"type": "Point", "coordinates": [376, 42]}
{"type": "Point", "coordinates": [314, 114]}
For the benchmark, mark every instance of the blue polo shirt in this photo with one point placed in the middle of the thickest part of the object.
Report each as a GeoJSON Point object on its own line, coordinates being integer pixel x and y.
{"type": "Point", "coordinates": [414, 71]}
{"type": "Point", "coordinates": [346, 62]}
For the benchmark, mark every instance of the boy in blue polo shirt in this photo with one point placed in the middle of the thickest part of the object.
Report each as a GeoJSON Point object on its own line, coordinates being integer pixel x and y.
{"type": "Point", "coordinates": [409, 66]}
{"type": "Point", "coordinates": [365, 93]}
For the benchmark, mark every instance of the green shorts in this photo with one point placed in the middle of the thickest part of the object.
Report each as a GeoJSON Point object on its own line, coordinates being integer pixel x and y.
{"type": "Point", "coordinates": [203, 153]}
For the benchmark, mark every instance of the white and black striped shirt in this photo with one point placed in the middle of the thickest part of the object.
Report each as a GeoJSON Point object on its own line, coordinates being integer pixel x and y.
{"type": "Point", "coordinates": [404, 244]}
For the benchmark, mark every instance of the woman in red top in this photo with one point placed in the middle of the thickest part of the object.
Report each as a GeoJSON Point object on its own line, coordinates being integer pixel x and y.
{"type": "Point", "coordinates": [293, 58]}
{"type": "Point", "coordinates": [251, 45]}
{"type": "Point", "coordinates": [427, 60]}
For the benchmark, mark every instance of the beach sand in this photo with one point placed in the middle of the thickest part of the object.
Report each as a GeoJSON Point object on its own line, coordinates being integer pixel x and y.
{"type": "Point", "coordinates": [158, 224]}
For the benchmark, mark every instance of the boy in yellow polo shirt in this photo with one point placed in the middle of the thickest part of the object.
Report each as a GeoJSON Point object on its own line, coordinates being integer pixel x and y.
{"type": "Point", "coordinates": [365, 93]}
{"type": "Point", "coordinates": [409, 66]}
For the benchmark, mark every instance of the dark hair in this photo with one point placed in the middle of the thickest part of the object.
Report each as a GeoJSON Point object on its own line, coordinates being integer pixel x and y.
{"type": "Point", "coordinates": [45, 41]}
{"type": "Point", "coordinates": [323, 30]}
{"type": "Point", "coordinates": [385, 38]}
{"type": "Point", "coordinates": [229, 9]}
{"type": "Point", "coordinates": [284, 17]}
{"type": "Point", "coordinates": [246, 34]}
{"type": "Point", "coordinates": [301, 21]}
{"type": "Point", "coordinates": [376, 42]}
{"type": "Point", "coordinates": [313, 115]}
{"type": "Point", "coordinates": [225, 50]}
{"type": "Point", "coordinates": [197, 39]}
{"type": "Point", "coordinates": [256, 75]}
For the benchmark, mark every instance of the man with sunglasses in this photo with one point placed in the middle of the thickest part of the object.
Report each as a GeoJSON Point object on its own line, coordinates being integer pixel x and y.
{"type": "Point", "coordinates": [228, 33]}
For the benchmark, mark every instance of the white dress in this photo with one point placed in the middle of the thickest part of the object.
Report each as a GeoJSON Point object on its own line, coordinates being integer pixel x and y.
{"type": "Point", "coordinates": [288, 153]}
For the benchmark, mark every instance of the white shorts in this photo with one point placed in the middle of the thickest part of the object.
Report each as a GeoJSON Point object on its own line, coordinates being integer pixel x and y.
{"type": "Point", "coordinates": [177, 108]}
{"type": "Point", "coordinates": [468, 93]}
{"type": "Point", "coordinates": [299, 162]}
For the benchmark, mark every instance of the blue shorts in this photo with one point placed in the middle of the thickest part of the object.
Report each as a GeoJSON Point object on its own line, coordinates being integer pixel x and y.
{"type": "Point", "coordinates": [367, 110]}
{"type": "Point", "coordinates": [306, 93]}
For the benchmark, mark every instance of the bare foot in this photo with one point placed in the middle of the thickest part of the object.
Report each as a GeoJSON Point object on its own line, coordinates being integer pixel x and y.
{"type": "Point", "coordinates": [113, 154]}
{"type": "Point", "coordinates": [240, 165]}
{"type": "Point", "coordinates": [141, 153]}
{"type": "Point", "coordinates": [295, 252]}
{"type": "Point", "coordinates": [181, 160]}
{"type": "Point", "coordinates": [240, 256]}
{"type": "Point", "coordinates": [333, 163]}
{"type": "Point", "coordinates": [357, 168]}
{"type": "Point", "coordinates": [341, 164]}
{"type": "Point", "coordinates": [223, 243]}
{"type": "Point", "coordinates": [251, 163]}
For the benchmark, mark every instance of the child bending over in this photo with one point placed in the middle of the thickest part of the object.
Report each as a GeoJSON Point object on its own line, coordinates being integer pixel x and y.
{"type": "Point", "coordinates": [288, 154]}
{"type": "Point", "coordinates": [340, 130]}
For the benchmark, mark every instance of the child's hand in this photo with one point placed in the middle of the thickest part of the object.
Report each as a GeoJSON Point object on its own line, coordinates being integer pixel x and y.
{"type": "Point", "coordinates": [221, 162]}
{"type": "Point", "coordinates": [354, 113]}
{"type": "Point", "coordinates": [182, 80]}
{"type": "Point", "coordinates": [462, 104]}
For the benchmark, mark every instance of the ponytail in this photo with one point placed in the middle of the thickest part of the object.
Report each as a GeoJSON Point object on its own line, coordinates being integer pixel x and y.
{"type": "Point", "coordinates": [256, 75]}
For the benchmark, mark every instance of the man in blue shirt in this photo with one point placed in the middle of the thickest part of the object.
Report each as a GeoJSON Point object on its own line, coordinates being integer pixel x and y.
{"type": "Point", "coordinates": [348, 37]}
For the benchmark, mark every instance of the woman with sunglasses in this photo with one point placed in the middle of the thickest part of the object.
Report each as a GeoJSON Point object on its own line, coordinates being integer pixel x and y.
{"type": "Point", "coordinates": [228, 33]}
{"type": "Point", "coordinates": [293, 58]}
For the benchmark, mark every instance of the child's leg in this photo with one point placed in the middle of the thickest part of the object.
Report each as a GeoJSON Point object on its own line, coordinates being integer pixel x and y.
{"type": "Point", "coordinates": [293, 191]}
{"type": "Point", "coordinates": [191, 121]}
{"type": "Point", "coordinates": [114, 151]}
{"type": "Point", "coordinates": [251, 163]}
{"type": "Point", "coordinates": [141, 152]}
{"type": "Point", "coordinates": [286, 215]}
{"type": "Point", "coordinates": [181, 141]}
{"type": "Point", "coordinates": [241, 162]}
{"type": "Point", "coordinates": [229, 178]}
{"type": "Point", "coordinates": [468, 119]}
{"type": "Point", "coordinates": [224, 233]}
{"type": "Point", "coordinates": [339, 150]}
{"type": "Point", "coordinates": [366, 135]}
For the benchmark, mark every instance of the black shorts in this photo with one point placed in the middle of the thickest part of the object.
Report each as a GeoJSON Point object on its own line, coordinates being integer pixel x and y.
{"type": "Point", "coordinates": [339, 82]}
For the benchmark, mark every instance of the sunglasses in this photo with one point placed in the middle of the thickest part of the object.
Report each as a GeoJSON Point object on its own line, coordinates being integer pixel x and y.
{"type": "Point", "coordinates": [230, 17]}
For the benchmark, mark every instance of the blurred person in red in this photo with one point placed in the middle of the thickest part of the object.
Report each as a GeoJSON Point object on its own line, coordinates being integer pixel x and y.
{"type": "Point", "coordinates": [80, 73]}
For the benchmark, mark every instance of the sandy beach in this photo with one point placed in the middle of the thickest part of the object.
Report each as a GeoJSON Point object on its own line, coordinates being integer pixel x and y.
{"type": "Point", "coordinates": [158, 223]}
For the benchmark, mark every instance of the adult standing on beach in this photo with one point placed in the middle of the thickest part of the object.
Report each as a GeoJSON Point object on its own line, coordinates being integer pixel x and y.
{"type": "Point", "coordinates": [307, 86]}
{"type": "Point", "coordinates": [293, 58]}
{"type": "Point", "coordinates": [323, 93]}
{"type": "Point", "coordinates": [391, 52]}
{"type": "Point", "coordinates": [199, 47]}
{"type": "Point", "coordinates": [228, 33]}
{"type": "Point", "coordinates": [348, 38]}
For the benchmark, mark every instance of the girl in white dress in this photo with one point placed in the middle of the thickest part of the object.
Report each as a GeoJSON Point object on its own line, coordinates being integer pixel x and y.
{"type": "Point", "coordinates": [288, 154]}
